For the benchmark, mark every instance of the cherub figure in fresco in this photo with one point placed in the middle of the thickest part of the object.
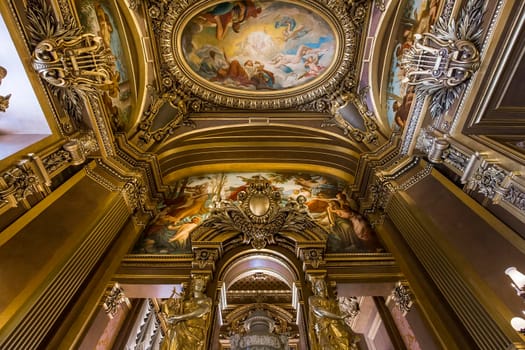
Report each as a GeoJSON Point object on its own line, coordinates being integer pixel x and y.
{"type": "Point", "coordinates": [232, 13]}
{"type": "Point", "coordinates": [312, 66]}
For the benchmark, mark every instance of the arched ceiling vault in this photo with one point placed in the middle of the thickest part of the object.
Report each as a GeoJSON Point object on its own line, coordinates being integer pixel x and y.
{"type": "Point", "coordinates": [254, 147]}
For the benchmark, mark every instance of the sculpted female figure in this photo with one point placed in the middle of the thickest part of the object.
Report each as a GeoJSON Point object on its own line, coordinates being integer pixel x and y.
{"type": "Point", "coordinates": [187, 319]}
{"type": "Point", "coordinates": [327, 322]}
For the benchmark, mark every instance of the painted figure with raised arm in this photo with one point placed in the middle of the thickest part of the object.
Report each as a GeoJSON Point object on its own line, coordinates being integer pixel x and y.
{"type": "Point", "coordinates": [187, 319]}
{"type": "Point", "coordinates": [327, 321]}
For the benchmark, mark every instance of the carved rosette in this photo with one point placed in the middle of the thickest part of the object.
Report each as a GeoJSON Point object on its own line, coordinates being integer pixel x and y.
{"type": "Point", "coordinates": [312, 256]}
{"type": "Point", "coordinates": [113, 300]}
{"type": "Point", "coordinates": [205, 258]}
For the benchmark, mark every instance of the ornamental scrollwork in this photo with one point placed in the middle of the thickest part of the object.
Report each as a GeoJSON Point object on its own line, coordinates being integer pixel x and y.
{"type": "Point", "coordinates": [114, 298]}
{"type": "Point", "coordinates": [350, 113]}
{"type": "Point", "coordinates": [82, 62]}
{"type": "Point", "coordinates": [258, 215]}
{"type": "Point", "coordinates": [136, 194]}
{"type": "Point", "coordinates": [28, 177]}
{"type": "Point", "coordinates": [515, 197]}
{"type": "Point", "coordinates": [402, 297]}
{"type": "Point", "coordinates": [487, 179]}
{"type": "Point", "coordinates": [440, 63]}
{"type": "Point", "coordinates": [175, 102]}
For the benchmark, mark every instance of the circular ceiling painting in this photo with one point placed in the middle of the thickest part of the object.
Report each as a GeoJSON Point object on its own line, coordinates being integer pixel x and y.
{"type": "Point", "coordinates": [255, 53]}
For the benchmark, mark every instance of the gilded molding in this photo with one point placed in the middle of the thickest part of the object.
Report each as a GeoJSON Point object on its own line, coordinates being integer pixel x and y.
{"type": "Point", "coordinates": [45, 308]}
{"type": "Point", "coordinates": [490, 179]}
{"type": "Point", "coordinates": [434, 255]}
{"type": "Point", "coordinates": [346, 16]}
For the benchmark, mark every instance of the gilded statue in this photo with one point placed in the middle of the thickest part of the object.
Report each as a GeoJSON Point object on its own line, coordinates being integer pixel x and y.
{"type": "Point", "coordinates": [187, 319]}
{"type": "Point", "coordinates": [327, 321]}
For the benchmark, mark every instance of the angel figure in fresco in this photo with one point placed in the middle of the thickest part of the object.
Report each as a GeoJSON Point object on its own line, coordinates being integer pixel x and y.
{"type": "Point", "coordinates": [291, 29]}
{"type": "Point", "coordinates": [312, 66]}
{"type": "Point", "coordinates": [232, 13]}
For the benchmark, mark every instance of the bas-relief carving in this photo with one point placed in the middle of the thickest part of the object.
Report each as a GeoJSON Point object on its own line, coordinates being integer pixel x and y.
{"type": "Point", "coordinates": [194, 200]}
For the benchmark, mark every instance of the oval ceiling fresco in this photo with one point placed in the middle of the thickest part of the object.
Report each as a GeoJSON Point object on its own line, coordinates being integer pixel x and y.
{"type": "Point", "coordinates": [257, 53]}
{"type": "Point", "coordinates": [249, 47]}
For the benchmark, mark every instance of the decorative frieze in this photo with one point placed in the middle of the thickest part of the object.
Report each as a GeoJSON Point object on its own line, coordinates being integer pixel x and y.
{"type": "Point", "coordinates": [488, 179]}
{"type": "Point", "coordinates": [515, 196]}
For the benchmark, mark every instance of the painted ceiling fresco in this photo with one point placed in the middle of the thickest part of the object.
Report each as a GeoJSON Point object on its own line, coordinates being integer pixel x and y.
{"type": "Point", "coordinates": [417, 17]}
{"type": "Point", "coordinates": [268, 45]}
{"type": "Point", "coordinates": [192, 198]}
